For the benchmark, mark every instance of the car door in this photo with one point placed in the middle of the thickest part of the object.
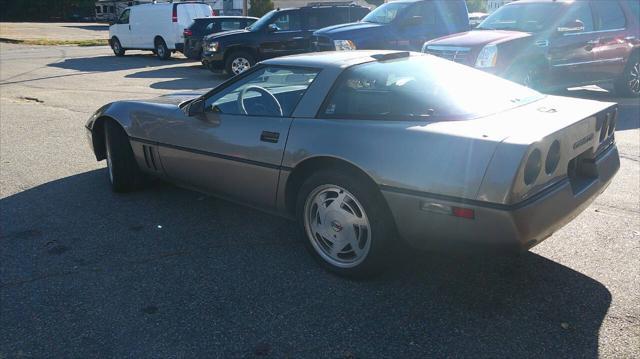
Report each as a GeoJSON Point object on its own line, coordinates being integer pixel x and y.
{"type": "Point", "coordinates": [414, 27]}
{"type": "Point", "coordinates": [235, 147]}
{"type": "Point", "coordinates": [570, 53]}
{"type": "Point", "coordinates": [611, 46]}
{"type": "Point", "coordinates": [122, 29]}
{"type": "Point", "coordinates": [284, 36]}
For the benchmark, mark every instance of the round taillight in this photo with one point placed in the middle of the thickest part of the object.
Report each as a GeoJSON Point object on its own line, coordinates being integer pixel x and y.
{"type": "Point", "coordinates": [605, 128]}
{"type": "Point", "coordinates": [612, 122]}
{"type": "Point", "coordinates": [532, 167]}
{"type": "Point", "coordinates": [553, 158]}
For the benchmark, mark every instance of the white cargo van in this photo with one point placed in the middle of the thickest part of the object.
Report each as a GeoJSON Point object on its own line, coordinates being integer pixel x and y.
{"type": "Point", "coordinates": [158, 27]}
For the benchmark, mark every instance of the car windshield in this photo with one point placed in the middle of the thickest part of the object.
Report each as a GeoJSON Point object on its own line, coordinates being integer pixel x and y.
{"type": "Point", "coordinates": [386, 13]}
{"type": "Point", "coordinates": [422, 87]}
{"type": "Point", "coordinates": [263, 21]}
{"type": "Point", "coordinates": [531, 17]}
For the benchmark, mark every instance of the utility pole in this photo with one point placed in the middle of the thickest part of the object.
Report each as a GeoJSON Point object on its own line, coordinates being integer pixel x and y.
{"type": "Point", "coordinates": [245, 7]}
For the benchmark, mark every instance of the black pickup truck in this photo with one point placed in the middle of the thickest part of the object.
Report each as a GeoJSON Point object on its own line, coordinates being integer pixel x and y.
{"type": "Point", "coordinates": [278, 33]}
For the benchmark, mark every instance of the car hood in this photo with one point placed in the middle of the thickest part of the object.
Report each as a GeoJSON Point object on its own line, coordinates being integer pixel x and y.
{"type": "Point", "coordinates": [226, 34]}
{"type": "Point", "coordinates": [479, 38]}
{"type": "Point", "coordinates": [173, 99]}
{"type": "Point", "coordinates": [343, 31]}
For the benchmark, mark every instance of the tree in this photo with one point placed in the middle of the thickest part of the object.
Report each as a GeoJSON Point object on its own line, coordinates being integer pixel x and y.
{"type": "Point", "coordinates": [260, 7]}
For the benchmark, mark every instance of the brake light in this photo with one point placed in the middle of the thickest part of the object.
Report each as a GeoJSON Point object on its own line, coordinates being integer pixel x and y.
{"type": "Point", "coordinates": [187, 32]}
{"type": "Point", "coordinates": [467, 213]}
{"type": "Point", "coordinates": [174, 15]}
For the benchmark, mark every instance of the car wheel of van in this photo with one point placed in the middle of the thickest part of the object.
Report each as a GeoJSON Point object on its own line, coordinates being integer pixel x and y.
{"type": "Point", "coordinates": [629, 83]}
{"type": "Point", "coordinates": [161, 49]}
{"type": "Point", "coordinates": [123, 171]}
{"type": "Point", "coordinates": [117, 47]}
{"type": "Point", "coordinates": [239, 62]}
{"type": "Point", "coordinates": [346, 225]}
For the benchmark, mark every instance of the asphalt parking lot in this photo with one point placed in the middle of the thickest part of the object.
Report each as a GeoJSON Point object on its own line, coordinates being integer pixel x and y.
{"type": "Point", "coordinates": [168, 272]}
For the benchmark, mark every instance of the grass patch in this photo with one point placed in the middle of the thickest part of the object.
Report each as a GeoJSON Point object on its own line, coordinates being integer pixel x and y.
{"type": "Point", "coordinates": [48, 42]}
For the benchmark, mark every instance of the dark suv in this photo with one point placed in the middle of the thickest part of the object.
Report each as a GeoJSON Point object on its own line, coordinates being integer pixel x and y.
{"type": "Point", "coordinates": [204, 26]}
{"type": "Point", "coordinates": [549, 44]}
{"type": "Point", "coordinates": [278, 33]}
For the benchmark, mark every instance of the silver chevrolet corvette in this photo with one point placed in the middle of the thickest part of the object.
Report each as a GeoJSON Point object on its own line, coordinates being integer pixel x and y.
{"type": "Point", "coordinates": [367, 148]}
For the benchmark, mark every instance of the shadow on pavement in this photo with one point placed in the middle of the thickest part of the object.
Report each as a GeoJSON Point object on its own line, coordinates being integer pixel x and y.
{"type": "Point", "coordinates": [171, 272]}
{"type": "Point", "coordinates": [114, 63]}
{"type": "Point", "coordinates": [90, 27]}
{"type": "Point", "coordinates": [192, 77]}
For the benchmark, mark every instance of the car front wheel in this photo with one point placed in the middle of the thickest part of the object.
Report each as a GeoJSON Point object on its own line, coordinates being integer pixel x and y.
{"type": "Point", "coordinates": [629, 83]}
{"type": "Point", "coordinates": [239, 62]}
{"type": "Point", "coordinates": [346, 225]}
{"type": "Point", "coordinates": [123, 171]}
{"type": "Point", "coordinates": [117, 47]}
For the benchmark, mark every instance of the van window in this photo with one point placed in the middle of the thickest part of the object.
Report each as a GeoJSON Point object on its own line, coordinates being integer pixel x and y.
{"type": "Point", "coordinates": [609, 15]}
{"type": "Point", "coordinates": [124, 18]}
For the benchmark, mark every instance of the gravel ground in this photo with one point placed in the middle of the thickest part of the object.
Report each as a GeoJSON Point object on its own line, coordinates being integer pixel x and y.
{"type": "Point", "coordinates": [168, 272]}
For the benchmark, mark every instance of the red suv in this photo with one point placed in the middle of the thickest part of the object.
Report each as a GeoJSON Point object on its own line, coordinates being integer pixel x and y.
{"type": "Point", "coordinates": [547, 44]}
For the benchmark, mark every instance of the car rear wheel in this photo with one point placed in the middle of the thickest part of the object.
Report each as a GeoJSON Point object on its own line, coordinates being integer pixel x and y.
{"type": "Point", "coordinates": [161, 49]}
{"type": "Point", "coordinates": [346, 225]}
{"type": "Point", "coordinates": [629, 83]}
{"type": "Point", "coordinates": [122, 169]}
{"type": "Point", "coordinates": [239, 62]}
{"type": "Point", "coordinates": [117, 47]}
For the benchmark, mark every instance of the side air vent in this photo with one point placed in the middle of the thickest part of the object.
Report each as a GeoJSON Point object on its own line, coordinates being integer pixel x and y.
{"type": "Point", "coordinates": [150, 158]}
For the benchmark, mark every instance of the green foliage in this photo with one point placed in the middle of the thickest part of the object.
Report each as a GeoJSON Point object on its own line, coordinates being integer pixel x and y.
{"type": "Point", "coordinates": [260, 7]}
{"type": "Point", "coordinates": [476, 5]}
{"type": "Point", "coordinates": [42, 10]}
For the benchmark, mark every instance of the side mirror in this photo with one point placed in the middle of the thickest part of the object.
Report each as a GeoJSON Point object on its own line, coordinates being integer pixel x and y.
{"type": "Point", "coordinates": [272, 28]}
{"type": "Point", "coordinates": [413, 21]}
{"type": "Point", "coordinates": [196, 107]}
{"type": "Point", "coordinates": [571, 27]}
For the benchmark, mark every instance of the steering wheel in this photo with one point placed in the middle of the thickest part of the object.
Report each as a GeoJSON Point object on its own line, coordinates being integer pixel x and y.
{"type": "Point", "coordinates": [262, 91]}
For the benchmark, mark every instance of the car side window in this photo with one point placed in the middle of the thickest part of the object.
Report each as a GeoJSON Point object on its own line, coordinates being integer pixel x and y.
{"type": "Point", "coordinates": [581, 11]}
{"type": "Point", "coordinates": [209, 29]}
{"type": "Point", "coordinates": [270, 91]}
{"type": "Point", "coordinates": [288, 21]}
{"type": "Point", "coordinates": [228, 25]}
{"type": "Point", "coordinates": [608, 15]}
{"type": "Point", "coordinates": [124, 17]}
{"type": "Point", "coordinates": [319, 18]}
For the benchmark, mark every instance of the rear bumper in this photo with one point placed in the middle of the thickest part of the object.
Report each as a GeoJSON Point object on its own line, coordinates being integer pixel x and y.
{"type": "Point", "coordinates": [520, 226]}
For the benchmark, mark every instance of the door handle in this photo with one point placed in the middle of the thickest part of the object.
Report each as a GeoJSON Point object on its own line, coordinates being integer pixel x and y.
{"type": "Point", "coordinates": [593, 42]}
{"type": "Point", "coordinates": [298, 38]}
{"type": "Point", "coordinates": [268, 136]}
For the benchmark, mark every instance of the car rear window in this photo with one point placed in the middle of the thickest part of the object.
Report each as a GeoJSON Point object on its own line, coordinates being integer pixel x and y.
{"type": "Point", "coordinates": [421, 87]}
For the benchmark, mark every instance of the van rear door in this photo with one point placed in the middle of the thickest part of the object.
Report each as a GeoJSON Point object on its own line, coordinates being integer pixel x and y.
{"type": "Point", "coordinates": [185, 14]}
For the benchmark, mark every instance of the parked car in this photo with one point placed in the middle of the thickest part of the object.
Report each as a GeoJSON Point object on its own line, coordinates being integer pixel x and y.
{"type": "Point", "coordinates": [366, 148]}
{"type": "Point", "coordinates": [278, 33]}
{"type": "Point", "coordinates": [549, 44]}
{"type": "Point", "coordinates": [475, 18]}
{"type": "Point", "coordinates": [400, 25]}
{"type": "Point", "coordinates": [201, 27]}
{"type": "Point", "coordinates": [157, 27]}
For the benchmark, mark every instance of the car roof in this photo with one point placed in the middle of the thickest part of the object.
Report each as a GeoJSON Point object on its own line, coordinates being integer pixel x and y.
{"type": "Point", "coordinates": [226, 17]}
{"type": "Point", "coordinates": [331, 59]}
{"type": "Point", "coordinates": [543, 1]}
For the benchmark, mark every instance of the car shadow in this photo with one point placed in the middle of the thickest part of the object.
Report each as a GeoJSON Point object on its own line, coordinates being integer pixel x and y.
{"type": "Point", "coordinates": [180, 78]}
{"type": "Point", "coordinates": [89, 27]}
{"type": "Point", "coordinates": [137, 60]}
{"type": "Point", "coordinates": [86, 272]}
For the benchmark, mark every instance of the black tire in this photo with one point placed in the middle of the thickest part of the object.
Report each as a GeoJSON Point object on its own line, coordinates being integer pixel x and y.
{"type": "Point", "coordinates": [242, 56]}
{"type": "Point", "coordinates": [628, 84]}
{"type": "Point", "coordinates": [117, 47]}
{"type": "Point", "coordinates": [161, 49]}
{"type": "Point", "coordinates": [122, 170]}
{"type": "Point", "coordinates": [382, 229]}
